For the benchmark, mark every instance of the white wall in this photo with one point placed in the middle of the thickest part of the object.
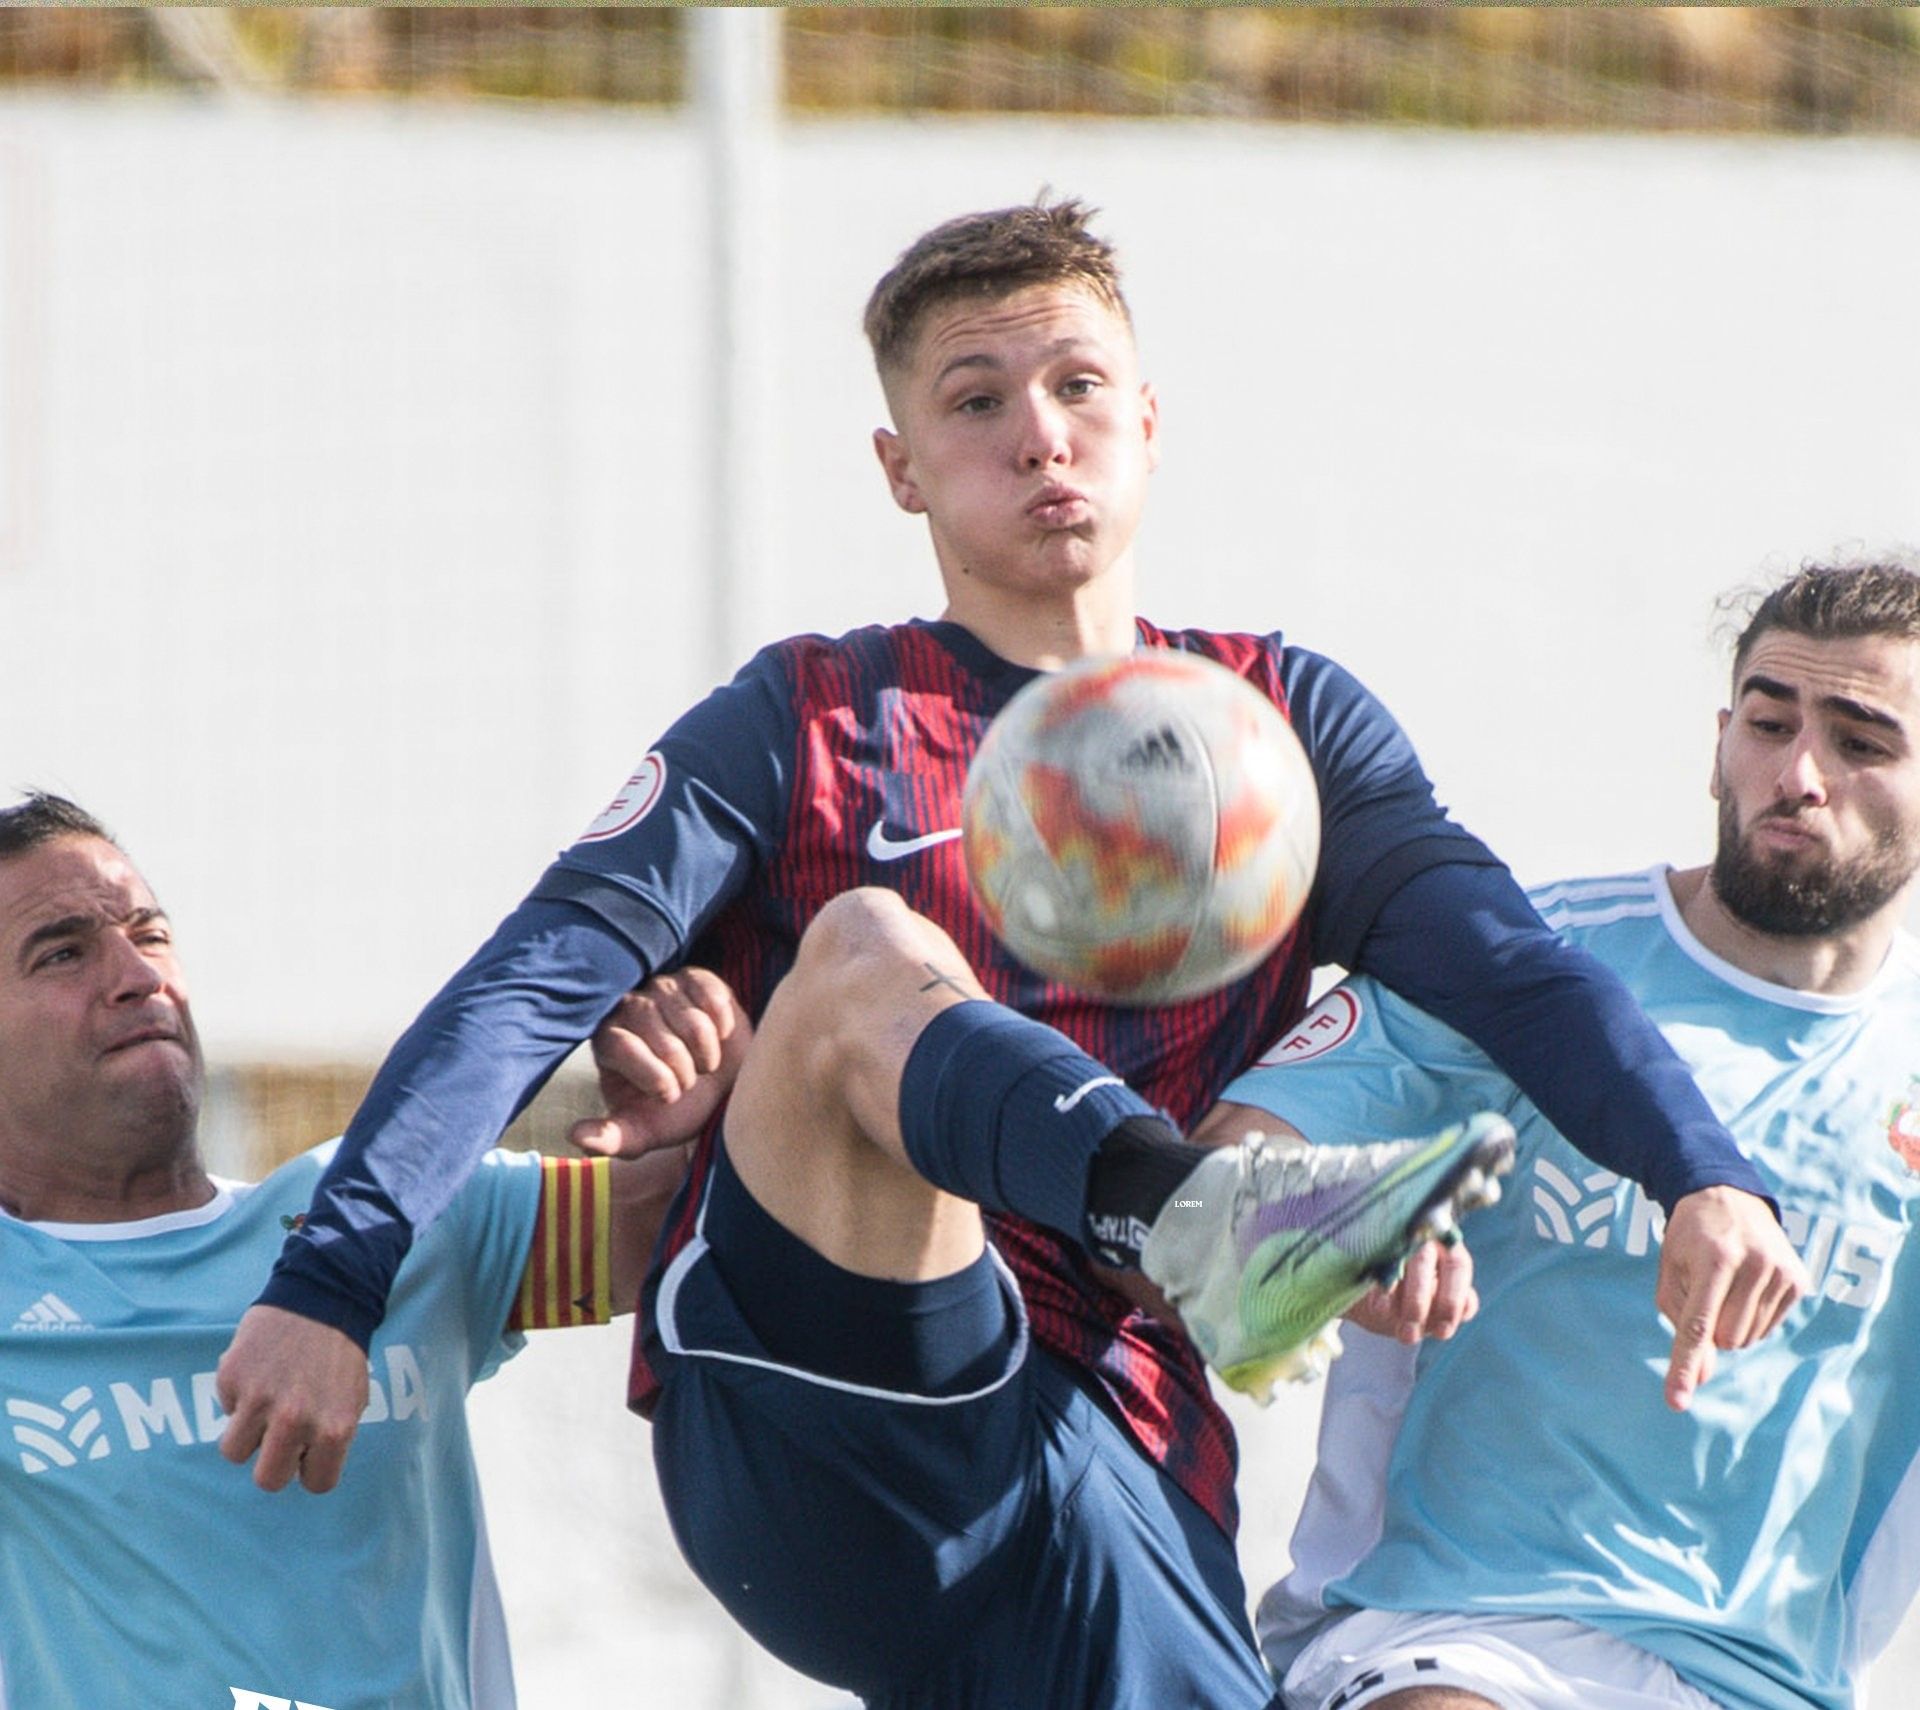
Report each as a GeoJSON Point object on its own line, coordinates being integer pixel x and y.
{"type": "Point", "coordinates": [354, 487]}
{"type": "Point", "coordinates": [355, 472]}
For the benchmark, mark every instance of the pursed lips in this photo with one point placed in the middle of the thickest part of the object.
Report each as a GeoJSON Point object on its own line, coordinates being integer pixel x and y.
{"type": "Point", "coordinates": [1789, 830]}
{"type": "Point", "coordinates": [1052, 502]}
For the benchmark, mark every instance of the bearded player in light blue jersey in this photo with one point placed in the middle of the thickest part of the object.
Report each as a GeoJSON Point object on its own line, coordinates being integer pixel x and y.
{"type": "Point", "coordinates": [134, 1568]}
{"type": "Point", "coordinates": [1509, 1516]}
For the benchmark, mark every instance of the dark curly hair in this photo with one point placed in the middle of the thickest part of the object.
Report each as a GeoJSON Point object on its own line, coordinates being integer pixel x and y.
{"type": "Point", "coordinates": [1833, 602]}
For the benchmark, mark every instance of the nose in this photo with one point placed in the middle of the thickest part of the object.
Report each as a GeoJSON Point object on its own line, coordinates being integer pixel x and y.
{"type": "Point", "coordinates": [132, 976]}
{"type": "Point", "coordinates": [1801, 777]}
{"type": "Point", "coordinates": [1044, 439]}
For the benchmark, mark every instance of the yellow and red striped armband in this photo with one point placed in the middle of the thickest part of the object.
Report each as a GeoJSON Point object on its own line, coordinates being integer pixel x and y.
{"type": "Point", "coordinates": [568, 1279]}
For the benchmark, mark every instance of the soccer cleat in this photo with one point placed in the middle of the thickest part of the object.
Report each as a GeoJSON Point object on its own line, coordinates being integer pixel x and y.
{"type": "Point", "coordinates": [1266, 1243]}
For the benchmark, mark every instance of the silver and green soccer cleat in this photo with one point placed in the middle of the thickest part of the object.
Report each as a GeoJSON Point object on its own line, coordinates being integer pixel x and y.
{"type": "Point", "coordinates": [1266, 1243]}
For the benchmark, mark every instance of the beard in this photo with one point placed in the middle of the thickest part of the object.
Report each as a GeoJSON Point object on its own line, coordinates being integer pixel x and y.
{"type": "Point", "coordinates": [1808, 901]}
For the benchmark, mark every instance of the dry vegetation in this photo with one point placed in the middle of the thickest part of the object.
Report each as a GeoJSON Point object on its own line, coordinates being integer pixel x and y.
{"type": "Point", "coordinates": [1818, 70]}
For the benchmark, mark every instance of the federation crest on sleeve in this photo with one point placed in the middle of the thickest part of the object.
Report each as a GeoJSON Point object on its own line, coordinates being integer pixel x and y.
{"type": "Point", "coordinates": [1325, 1027]}
{"type": "Point", "coordinates": [633, 803]}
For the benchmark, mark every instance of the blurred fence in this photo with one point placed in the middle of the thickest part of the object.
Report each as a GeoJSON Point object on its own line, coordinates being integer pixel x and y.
{"type": "Point", "coordinates": [259, 1114]}
{"type": "Point", "coordinates": [1822, 71]}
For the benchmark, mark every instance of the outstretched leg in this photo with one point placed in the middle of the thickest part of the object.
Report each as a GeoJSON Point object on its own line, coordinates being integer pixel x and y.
{"type": "Point", "coordinates": [883, 1104]}
{"type": "Point", "coordinates": [873, 1122]}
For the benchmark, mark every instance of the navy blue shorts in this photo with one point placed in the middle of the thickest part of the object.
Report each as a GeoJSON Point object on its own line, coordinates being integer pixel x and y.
{"type": "Point", "coordinates": [1001, 1547]}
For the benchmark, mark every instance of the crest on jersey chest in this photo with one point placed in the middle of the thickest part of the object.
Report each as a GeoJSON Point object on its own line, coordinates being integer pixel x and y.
{"type": "Point", "coordinates": [1903, 1127]}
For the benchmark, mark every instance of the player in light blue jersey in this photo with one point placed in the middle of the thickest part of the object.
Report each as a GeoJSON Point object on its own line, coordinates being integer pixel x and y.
{"type": "Point", "coordinates": [1510, 1515]}
{"type": "Point", "coordinates": [134, 1568]}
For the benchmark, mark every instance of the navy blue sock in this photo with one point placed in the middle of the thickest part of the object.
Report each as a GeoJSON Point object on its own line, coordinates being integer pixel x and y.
{"type": "Point", "coordinates": [1008, 1113]}
{"type": "Point", "coordinates": [1139, 1167]}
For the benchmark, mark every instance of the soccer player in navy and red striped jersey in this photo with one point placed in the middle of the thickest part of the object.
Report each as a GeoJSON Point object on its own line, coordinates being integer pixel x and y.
{"type": "Point", "coordinates": [936, 1468]}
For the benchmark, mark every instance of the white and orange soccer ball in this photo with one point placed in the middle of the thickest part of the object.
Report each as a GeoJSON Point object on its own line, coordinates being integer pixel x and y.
{"type": "Point", "coordinates": [1144, 829]}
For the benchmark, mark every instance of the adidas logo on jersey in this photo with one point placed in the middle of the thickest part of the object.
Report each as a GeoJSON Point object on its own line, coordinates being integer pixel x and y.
{"type": "Point", "coordinates": [50, 1313]}
{"type": "Point", "coordinates": [185, 1411]}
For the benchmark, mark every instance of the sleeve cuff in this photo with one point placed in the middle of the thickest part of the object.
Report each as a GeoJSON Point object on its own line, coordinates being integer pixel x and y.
{"type": "Point", "coordinates": [641, 925]}
{"type": "Point", "coordinates": [1719, 1171]}
{"type": "Point", "coordinates": [323, 1304]}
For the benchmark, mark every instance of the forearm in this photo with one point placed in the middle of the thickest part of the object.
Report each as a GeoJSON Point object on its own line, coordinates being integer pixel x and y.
{"type": "Point", "coordinates": [456, 1078]}
{"type": "Point", "coordinates": [1464, 944]}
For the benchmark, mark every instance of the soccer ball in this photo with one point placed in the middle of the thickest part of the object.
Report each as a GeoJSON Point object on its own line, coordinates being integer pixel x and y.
{"type": "Point", "coordinates": [1142, 829]}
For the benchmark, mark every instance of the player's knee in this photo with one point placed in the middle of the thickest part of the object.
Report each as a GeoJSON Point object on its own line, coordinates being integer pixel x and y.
{"type": "Point", "coordinates": [823, 1002]}
{"type": "Point", "coordinates": [859, 939]}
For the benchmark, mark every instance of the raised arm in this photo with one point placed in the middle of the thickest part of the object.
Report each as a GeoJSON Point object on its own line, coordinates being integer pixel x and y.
{"type": "Point", "coordinates": [1408, 897]}
{"type": "Point", "coordinates": [294, 1380]}
{"type": "Point", "coordinates": [625, 901]}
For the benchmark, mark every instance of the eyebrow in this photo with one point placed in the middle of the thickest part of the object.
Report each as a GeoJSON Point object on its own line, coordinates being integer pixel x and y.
{"type": "Point", "coordinates": [1756, 683]}
{"type": "Point", "coordinates": [983, 359]}
{"type": "Point", "coordinates": [75, 925]}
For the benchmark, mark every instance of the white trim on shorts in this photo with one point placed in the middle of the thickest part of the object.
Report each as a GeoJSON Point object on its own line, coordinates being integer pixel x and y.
{"type": "Point", "coordinates": [1520, 1662]}
{"type": "Point", "coordinates": [697, 1248]}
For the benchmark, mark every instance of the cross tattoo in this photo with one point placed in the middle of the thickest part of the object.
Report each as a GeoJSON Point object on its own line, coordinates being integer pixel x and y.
{"type": "Point", "coordinates": [940, 979]}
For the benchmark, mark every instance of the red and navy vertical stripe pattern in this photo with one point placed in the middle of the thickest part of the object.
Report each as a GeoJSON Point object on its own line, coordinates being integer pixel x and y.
{"type": "Point", "coordinates": [887, 720]}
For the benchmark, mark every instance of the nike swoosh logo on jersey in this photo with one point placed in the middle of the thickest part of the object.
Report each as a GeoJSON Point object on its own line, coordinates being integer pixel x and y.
{"type": "Point", "coordinates": [884, 848]}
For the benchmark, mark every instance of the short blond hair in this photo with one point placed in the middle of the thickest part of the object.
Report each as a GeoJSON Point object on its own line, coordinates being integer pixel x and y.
{"type": "Point", "coordinates": [985, 257]}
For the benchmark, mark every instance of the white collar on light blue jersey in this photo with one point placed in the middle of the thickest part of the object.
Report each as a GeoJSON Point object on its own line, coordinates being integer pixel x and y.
{"type": "Point", "coordinates": [1901, 963]}
{"type": "Point", "coordinates": [141, 1227]}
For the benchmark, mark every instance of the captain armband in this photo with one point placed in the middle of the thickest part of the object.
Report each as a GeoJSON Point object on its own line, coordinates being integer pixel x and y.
{"type": "Point", "coordinates": [568, 1279]}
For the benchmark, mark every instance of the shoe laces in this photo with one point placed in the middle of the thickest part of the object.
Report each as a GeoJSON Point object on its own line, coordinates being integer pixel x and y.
{"type": "Point", "coordinates": [1281, 1165]}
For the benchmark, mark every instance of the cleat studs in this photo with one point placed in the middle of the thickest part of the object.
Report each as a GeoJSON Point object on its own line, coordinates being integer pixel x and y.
{"type": "Point", "coordinates": [1477, 1188]}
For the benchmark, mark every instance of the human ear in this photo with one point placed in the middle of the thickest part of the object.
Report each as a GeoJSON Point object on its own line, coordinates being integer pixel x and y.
{"type": "Point", "coordinates": [896, 462]}
{"type": "Point", "coordinates": [1713, 782]}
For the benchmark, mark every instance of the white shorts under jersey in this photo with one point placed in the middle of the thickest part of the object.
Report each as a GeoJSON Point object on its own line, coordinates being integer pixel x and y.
{"type": "Point", "coordinates": [1765, 1544]}
{"type": "Point", "coordinates": [139, 1567]}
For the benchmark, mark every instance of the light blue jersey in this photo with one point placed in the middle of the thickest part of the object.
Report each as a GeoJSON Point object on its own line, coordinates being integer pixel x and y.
{"type": "Point", "coordinates": [139, 1567]}
{"type": "Point", "coordinates": [1765, 1544]}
